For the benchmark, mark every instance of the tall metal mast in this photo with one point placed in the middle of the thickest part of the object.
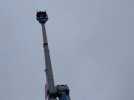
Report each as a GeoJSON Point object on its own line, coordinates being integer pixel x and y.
{"type": "Point", "coordinates": [42, 18]}
{"type": "Point", "coordinates": [60, 91]}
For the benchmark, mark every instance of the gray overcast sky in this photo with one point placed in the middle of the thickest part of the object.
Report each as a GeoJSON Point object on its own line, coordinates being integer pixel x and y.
{"type": "Point", "coordinates": [91, 45]}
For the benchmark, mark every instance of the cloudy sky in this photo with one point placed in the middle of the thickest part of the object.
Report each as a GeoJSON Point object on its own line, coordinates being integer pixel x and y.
{"type": "Point", "coordinates": [91, 45]}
